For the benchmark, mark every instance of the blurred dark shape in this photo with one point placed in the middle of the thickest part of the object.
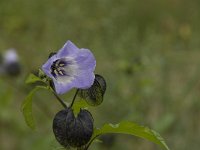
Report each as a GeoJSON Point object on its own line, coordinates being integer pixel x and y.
{"type": "Point", "coordinates": [13, 68]}
{"type": "Point", "coordinates": [10, 63]}
{"type": "Point", "coordinates": [131, 67]}
{"type": "Point", "coordinates": [73, 131]}
{"type": "Point", "coordinates": [107, 140]}
{"type": "Point", "coordinates": [1, 64]}
{"type": "Point", "coordinates": [129, 70]}
{"type": "Point", "coordinates": [1, 59]}
{"type": "Point", "coordinates": [94, 94]}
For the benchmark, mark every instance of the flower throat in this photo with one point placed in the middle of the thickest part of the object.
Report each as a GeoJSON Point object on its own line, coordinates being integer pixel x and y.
{"type": "Point", "coordinates": [57, 68]}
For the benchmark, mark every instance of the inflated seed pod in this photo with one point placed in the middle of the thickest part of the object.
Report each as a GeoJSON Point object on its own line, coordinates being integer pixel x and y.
{"type": "Point", "coordinates": [101, 82]}
{"type": "Point", "coordinates": [94, 94]}
{"type": "Point", "coordinates": [73, 131]}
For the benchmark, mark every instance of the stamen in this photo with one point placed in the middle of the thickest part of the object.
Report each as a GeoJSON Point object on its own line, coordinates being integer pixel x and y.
{"type": "Point", "coordinates": [58, 68]}
{"type": "Point", "coordinates": [56, 72]}
{"type": "Point", "coordinates": [60, 72]}
{"type": "Point", "coordinates": [61, 65]}
{"type": "Point", "coordinates": [52, 72]}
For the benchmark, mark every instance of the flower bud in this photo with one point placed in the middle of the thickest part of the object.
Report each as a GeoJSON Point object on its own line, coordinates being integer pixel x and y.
{"type": "Point", "coordinates": [73, 131]}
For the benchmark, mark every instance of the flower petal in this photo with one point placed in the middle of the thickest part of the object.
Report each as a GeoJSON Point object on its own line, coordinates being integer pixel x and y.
{"type": "Point", "coordinates": [86, 65]}
{"type": "Point", "coordinates": [84, 80]}
{"type": "Point", "coordinates": [68, 49]}
{"type": "Point", "coordinates": [62, 88]}
{"type": "Point", "coordinates": [85, 59]}
{"type": "Point", "coordinates": [47, 66]}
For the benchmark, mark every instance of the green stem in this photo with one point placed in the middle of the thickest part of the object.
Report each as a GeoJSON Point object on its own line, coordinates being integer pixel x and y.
{"type": "Point", "coordinates": [51, 86]}
{"type": "Point", "coordinates": [60, 100]}
{"type": "Point", "coordinates": [86, 148]}
{"type": "Point", "coordinates": [74, 98]}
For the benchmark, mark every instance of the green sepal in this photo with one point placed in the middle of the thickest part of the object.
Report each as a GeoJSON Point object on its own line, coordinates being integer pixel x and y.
{"type": "Point", "coordinates": [78, 105]}
{"type": "Point", "coordinates": [32, 79]}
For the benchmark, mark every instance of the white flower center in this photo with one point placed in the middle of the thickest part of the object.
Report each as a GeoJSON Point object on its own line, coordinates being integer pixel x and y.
{"type": "Point", "coordinates": [64, 70]}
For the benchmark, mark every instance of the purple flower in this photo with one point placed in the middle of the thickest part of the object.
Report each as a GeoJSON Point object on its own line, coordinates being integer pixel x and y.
{"type": "Point", "coordinates": [71, 68]}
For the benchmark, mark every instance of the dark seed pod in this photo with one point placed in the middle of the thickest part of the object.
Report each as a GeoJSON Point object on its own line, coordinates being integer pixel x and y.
{"type": "Point", "coordinates": [94, 94]}
{"type": "Point", "coordinates": [73, 131]}
{"type": "Point", "coordinates": [101, 82]}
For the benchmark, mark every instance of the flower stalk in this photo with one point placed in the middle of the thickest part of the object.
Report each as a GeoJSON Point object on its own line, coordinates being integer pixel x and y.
{"type": "Point", "coordinates": [74, 98]}
{"type": "Point", "coordinates": [60, 100]}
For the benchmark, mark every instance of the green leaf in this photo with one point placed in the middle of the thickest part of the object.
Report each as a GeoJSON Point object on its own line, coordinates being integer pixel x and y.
{"type": "Point", "coordinates": [26, 107]}
{"type": "Point", "coordinates": [32, 79]}
{"type": "Point", "coordinates": [79, 105]}
{"type": "Point", "coordinates": [132, 129]}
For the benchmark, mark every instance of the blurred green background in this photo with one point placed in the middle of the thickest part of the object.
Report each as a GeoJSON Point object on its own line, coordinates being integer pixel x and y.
{"type": "Point", "coordinates": [148, 51]}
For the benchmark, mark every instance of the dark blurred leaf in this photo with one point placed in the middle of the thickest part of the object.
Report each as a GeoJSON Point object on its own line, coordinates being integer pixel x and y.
{"type": "Point", "coordinates": [132, 129]}
{"type": "Point", "coordinates": [94, 94]}
{"type": "Point", "coordinates": [26, 107]}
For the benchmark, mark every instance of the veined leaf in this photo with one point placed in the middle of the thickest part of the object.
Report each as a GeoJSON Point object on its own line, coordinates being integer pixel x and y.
{"type": "Point", "coordinates": [32, 79]}
{"type": "Point", "coordinates": [26, 107]}
{"type": "Point", "coordinates": [94, 95]}
{"type": "Point", "coordinates": [132, 129]}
